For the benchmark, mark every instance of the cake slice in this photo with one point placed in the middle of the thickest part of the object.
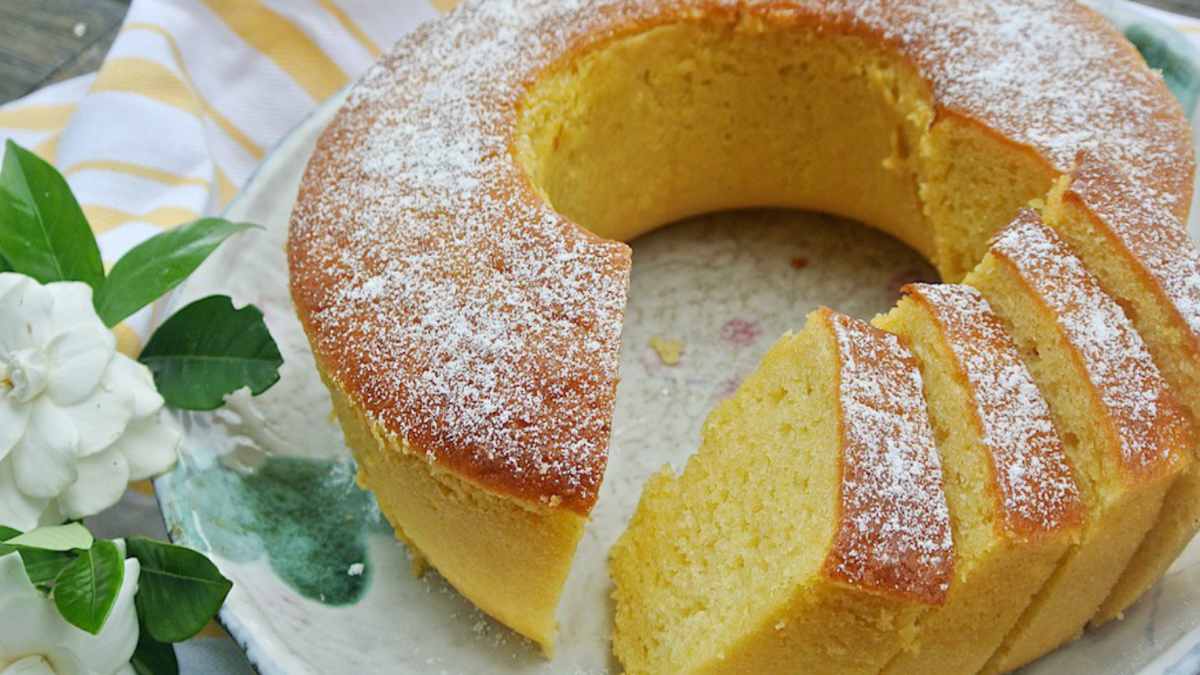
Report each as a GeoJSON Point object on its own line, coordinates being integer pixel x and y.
{"type": "Point", "coordinates": [1144, 258]}
{"type": "Point", "coordinates": [1014, 506]}
{"type": "Point", "coordinates": [1124, 435]}
{"type": "Point", "coordinates": [810, 530]}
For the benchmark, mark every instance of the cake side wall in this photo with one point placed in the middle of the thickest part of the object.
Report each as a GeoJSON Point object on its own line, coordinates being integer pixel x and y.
{"type": "Point", "coordinates": [509, 558]}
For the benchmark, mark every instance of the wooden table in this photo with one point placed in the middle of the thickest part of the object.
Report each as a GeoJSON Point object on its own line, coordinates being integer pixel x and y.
{"type": "Point", "coordinates": [1188, 7]}
{"type": "Point", "coordinates": [44, 41]}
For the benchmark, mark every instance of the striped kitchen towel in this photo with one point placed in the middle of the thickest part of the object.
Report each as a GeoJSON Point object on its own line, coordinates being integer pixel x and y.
{"type": "Point", "coordinates": [194, 93]}
{"type": "Point", "coordinates": [190, 99]}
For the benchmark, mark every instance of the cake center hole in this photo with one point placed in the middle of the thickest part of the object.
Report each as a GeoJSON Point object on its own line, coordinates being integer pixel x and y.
{"type": "Point", "coordinates": [704, 116]}
{"type": "Point", "coordinates": [700, 117]}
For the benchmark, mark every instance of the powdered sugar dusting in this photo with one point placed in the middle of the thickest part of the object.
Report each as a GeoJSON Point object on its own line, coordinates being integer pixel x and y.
{"type": "Point", "coordinates": [895, 525]}
{"type": "Point", "coordinates": [1117, 362]}
{"type": "Point", "coordinates": [1029, 465]}
{"type": "Point", "coordinates": [1156, 238]}
{"type": "Point", "coordinates": [467, 317]}
{"type": "Point", "coordinates": [1046, 73]}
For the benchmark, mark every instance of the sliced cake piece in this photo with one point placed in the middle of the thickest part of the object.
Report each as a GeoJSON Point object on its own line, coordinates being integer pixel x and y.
{"type": "Point", "coordinates": [1014, 506]}
{"type": "Point", "coordinates": [1124, 435]}
{"type": "Point", "coordinates": [810, 530]}
{"type": "Point", "coordinates": [1144, 258]}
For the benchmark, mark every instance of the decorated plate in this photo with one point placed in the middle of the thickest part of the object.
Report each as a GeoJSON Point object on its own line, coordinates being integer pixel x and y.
{"type": "Point", "coordinates": [266, 486]}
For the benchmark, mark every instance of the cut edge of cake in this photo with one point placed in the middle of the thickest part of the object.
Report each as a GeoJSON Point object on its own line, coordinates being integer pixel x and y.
{"type": "Point", "coordinates": [791, 489]}
{"type": "Point", "coordinates": [1144, 258]}
{"type": "Point", "coordinates": [1014, 505]}
{"type": "Point", "coordinates": [1124, 434]}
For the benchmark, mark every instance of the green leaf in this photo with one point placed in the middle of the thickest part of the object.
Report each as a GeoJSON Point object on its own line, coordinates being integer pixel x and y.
{"type": "Point", "coordinates": [158, 264]}
{"type": "Point", "coordinates": [179, 590]}
{"type": "Point", "coordinates": [207, 350]}
{"type": "Point", "coordinates": [43, 232]}
{"type": "Point", "coordinates": [86, 590]}
{"type": "Point", "coordinates": [54, 538]}
{"type": "Point", "coordinates": [152, 657]}
{"type": "Point", "coordinates": [41, 565]}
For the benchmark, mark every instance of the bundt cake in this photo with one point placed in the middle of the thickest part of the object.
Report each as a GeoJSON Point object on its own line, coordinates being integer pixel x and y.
{"type": "Point", "coordinates": [1014, 505]}
{"type": "Point", "coordinates": [453, 258]}
{"type": "Point", "coordinates": [809, 531]}
{"type": "Point", "coordinates": [1126, 438]}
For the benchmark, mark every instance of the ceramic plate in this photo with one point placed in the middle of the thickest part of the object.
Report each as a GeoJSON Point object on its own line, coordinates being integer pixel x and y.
{"type": "Point", "coordinates": [266, 486]}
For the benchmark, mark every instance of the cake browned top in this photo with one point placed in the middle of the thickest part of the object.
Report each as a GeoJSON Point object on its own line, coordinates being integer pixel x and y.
{"type": "Point", "coordinates": [1143, 414]}
{"type": "Point", "coordinates": [465, 316]}
{"type": "Point", "coordinates": [893, 533]}
{"type": "Point", "coordinates": [1031, 477]}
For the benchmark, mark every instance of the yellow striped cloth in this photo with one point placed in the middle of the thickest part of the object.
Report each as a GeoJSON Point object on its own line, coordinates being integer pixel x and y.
{"type": "Point", "coordinates": [189, 100]}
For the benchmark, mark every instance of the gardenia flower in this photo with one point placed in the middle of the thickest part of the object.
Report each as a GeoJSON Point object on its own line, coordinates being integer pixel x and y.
{"type": "Point", "coordinates": [36, 640]}
{"type": "Point", "coordinates": [78, 420]}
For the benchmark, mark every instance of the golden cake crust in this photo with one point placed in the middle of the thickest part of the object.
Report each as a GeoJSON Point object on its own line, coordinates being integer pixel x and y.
{"type": "Point", "coordinates": [464, 315]}
{"type": "Point", "coordinates": [1146, 418]}
{"type": "Point", "coordinates": [1034, 493]}
{"type": "Point", "coordinates": [893, 531]}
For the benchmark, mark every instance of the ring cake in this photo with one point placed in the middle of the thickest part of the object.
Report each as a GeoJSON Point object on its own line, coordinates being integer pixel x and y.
{"type": "Point", "coordinates": [456, 263]}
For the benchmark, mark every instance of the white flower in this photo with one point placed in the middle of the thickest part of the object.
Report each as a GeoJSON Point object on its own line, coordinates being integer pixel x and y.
{"type": "Point", "coordinates": [78, 420]}
{"type": "Point", "coordinates": [37, 640]}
